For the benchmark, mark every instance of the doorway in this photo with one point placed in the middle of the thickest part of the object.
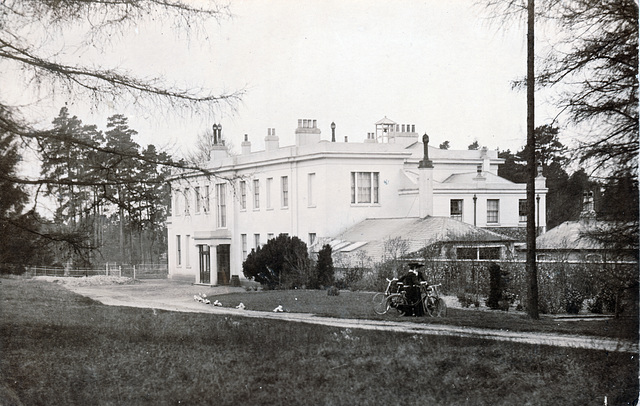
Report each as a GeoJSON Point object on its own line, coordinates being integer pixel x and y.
{"type": "Point", "coordinates": [224, 263]}
{"type": "Point", "coordinates": [205, 263]}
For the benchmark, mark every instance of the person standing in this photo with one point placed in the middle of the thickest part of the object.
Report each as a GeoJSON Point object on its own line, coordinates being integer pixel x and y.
{"type": "Point", "coordinates": [412, 281]}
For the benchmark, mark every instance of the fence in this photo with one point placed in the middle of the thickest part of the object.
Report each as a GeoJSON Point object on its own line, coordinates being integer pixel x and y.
{"type": "Point", "coordinates": [140, 271]}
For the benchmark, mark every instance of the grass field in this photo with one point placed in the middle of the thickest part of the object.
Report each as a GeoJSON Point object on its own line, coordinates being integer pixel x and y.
{"type": "Point", "coordinates": [59, 348]}
{"type": "Point", "coordinates": [358, 305]}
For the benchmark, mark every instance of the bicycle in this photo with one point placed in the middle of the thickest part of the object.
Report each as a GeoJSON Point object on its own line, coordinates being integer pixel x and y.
{"type": "Point", "coordinates": [395, 297]}
{"type": "Point", "coordinates": [381, 302]}
{"type": "Point", "coordinates": [432, 303]}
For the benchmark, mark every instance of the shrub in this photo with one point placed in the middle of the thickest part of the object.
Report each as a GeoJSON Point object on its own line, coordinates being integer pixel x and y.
{"type": "Point", "coordinates": [325, 272]}
{"type": "Point", "coordinates": [495, 286]}
{"type": "Point", "coordinates": [605, 300]}
{"type": "Point", "coordinates": [283, 262]}
{"type": "Point", "coordinates": [574, 299]}
{"type": "Point", "coordinates": [333, 291]}
{"type": "Point", "coordinates": [467, 299]}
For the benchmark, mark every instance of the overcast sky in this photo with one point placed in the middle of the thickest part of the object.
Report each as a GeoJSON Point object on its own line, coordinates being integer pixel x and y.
{"type": "Point", "coordinates": [437, 64]}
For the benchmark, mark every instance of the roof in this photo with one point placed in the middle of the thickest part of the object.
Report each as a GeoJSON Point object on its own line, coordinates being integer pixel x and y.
{"type": "Point", "coordinates": [570, 236]}
{"type": "Point", "coordinates": [385, 120]}
{"type": "Point", "coordinates": [372, 235]}
{"type": "Point", "coordinates": [471, 180]}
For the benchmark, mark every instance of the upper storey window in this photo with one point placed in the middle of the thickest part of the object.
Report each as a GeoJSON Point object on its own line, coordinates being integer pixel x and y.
{"type": "Point", "coordinates": [456, 209]}
{"type": "Point", "coordinates": [493, 211]}
{"type": "Point", "coordinates": [365, 187]}
{"type": "Point", "coordinates": [256, 194]}
{"type": "Point", "coordinates": [243, 195]}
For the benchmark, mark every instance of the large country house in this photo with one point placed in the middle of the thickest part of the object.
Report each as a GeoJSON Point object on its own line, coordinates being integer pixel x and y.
{"type": "Point", "coordinates": [318, 189]}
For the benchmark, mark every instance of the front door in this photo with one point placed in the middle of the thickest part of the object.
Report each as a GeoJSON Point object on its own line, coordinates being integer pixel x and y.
{"type": "Point", "coordinates": [205, 263]}
{"type": "Point", "coordinates": [224, 263]}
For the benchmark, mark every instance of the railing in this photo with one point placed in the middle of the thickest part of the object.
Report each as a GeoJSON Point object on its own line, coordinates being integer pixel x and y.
{"type": "Point", "coordinates": [140, 271]}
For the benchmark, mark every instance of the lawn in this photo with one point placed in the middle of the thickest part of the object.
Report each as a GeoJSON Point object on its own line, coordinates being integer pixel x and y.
{"type": "Point", "coordinates": [59, 348]}
{"type": "Point", "coordinates": [358, 305]}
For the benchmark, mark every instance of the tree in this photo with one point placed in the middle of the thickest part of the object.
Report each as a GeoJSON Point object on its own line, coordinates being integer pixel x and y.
{"type": "Point", "coordinates": [474, 145]}
{"type": "Point", "coordinates": [283, 262]}
{"type": "Point", "coordinates": [564, 198]}
{"type": "Point", "coordinates": [16, 246]}
{"type": "Point", "coordinates": [324, 267]}
{"type": "Point", "coordinates": [594, 65]}
{"type": "Point", "coordinates": [33, 42]}
{"type": "Point", "coordinates": [597, 62]}
{"type": "Point", "coordinates": [445, 145]}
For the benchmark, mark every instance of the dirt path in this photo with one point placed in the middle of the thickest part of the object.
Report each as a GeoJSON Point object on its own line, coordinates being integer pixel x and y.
{"type": "Point", "coordinates": [165, 295]}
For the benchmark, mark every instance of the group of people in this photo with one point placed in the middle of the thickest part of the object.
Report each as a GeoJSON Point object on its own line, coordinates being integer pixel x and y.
{"type": "Point", "coordinates": [412, 281]}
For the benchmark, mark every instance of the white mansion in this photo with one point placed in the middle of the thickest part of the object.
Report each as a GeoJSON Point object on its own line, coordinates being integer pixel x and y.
{"type": "Point", "coordinates": [318, 189]}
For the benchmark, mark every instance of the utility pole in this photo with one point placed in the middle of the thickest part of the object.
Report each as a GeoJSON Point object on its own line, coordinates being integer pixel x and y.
{"type": "Point", "coordinates": [532, 271]}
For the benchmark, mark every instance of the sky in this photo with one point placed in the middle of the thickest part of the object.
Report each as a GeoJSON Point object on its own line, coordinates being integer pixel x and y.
{"type": "Point", "coordinates": [440, 65]}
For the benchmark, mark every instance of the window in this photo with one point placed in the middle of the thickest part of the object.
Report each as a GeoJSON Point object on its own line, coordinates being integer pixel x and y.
{"type": "Point", "coordinates": [176, 203]}
{"type": "Point", "coordinates": [197, 198]}
{"type": "Point", "coordinates": [221, 205]}
{"type": "Point", "coordinates": [178, 250]}
{"type": "Point", "coordinates": [312, 239]}
{"type": "Point", "coordinates": [285, 191]}
{"type": "Point", "coordinates": [364, 187]}
{"type": "Point", "coordinates": [256, 194]}
{"type": "Point", "coordinates": [256, 240]}
{"type": "Point", "coordinates": [456, 209]}
{"type": "Point", "coordinates": [187, 241]}
{"type": "Point", "coordinates": [310, 181]}
{"type": "Point", "coordinates": [489, 253]}
{"type": "Point", "coordinates": [243, 195]}
{"type": "Point", "coordinates": [493, 209]}
{"type": "Point", "coordinates": [478, 253]}
{"type": "Point", "coordinates": [269, 183]}
{"type": "Point", "coordinates": [522, 210]}
{"type": "Point", "coordinates": [187, 202]}
{"type": "Point", "coordinates": [207, 202]}
{"type": "Point", "coordinates": [243, 238]}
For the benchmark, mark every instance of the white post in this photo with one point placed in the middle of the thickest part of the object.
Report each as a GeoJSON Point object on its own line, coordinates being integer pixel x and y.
{"type": "Point", "coordinates": [120, 271]}
{"type": "Point", "coordinates": [134, 272]}
{"type": "Point", "coordinates": [106, 269]}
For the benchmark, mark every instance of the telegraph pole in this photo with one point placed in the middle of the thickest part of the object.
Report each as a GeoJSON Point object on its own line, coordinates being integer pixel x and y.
{"type": "Point", "coordinates": [532, 271]}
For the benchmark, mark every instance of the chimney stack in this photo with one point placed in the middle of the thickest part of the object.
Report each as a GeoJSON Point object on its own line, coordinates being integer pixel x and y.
{"type": "Point", "coordinates": [271, 141]}
{"type": "Point", "coordinates": [246, 145]}
{"type": "Point", "coordinates": [307, 132]}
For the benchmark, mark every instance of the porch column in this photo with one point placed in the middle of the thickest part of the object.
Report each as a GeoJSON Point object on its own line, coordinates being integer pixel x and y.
{"type": "Point", "coordinates": [213, 254]}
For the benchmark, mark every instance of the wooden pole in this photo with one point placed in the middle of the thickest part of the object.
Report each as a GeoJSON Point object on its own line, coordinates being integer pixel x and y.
{"type": "Point", "coordinates": [532, 271]}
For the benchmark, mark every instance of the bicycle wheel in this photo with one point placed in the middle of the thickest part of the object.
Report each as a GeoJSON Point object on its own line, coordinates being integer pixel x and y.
{"type": "Point", "coordinates": [398, 302]}
{"type": "Point", "coordinates": [429, 305]}
{"type": "Point", "coordinates": [440, 308]}
{"type": "Point", "coordinates": [380, 303]}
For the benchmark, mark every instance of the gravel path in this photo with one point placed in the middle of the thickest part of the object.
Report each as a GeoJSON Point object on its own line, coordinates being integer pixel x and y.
{"type": "Point", "coordinates": [172, 296]}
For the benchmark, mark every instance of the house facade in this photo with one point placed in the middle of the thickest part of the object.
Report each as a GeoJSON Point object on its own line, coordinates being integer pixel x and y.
{"type": "Point", "coordinates": [318, 188]}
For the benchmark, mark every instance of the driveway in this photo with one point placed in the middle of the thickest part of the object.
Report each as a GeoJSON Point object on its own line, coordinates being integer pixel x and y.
{"type": "Point", "coordinates": [178, 296]}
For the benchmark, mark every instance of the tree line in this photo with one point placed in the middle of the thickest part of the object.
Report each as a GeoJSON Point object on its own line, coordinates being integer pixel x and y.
{"type": "Point", "coordinates": [108, 196]}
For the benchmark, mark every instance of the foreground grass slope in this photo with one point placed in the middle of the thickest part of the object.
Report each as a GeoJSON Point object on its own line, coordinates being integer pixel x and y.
{"type": "Point", "coordinates": [60, 348]}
